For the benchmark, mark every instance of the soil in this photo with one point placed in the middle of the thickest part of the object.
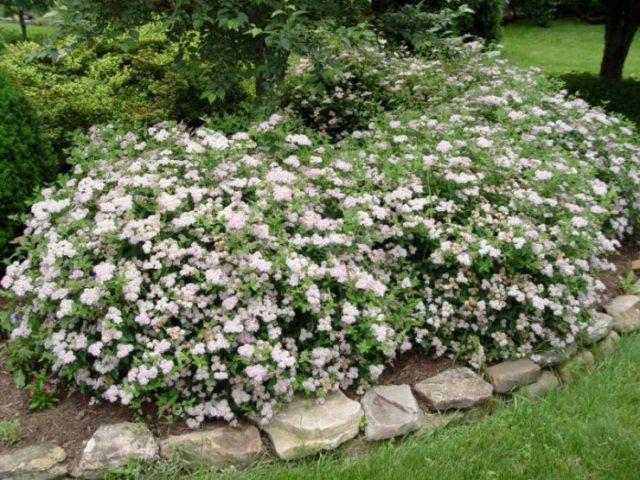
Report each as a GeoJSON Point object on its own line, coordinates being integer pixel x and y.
{"type": "Point", "coordinates": [69, 424]}
{"type": "Point", "coordinates": [412, 368]}
{"type": "Point", "coordinates": [74, 420]}
{"type": "Point", "coordinates": [627, 254]}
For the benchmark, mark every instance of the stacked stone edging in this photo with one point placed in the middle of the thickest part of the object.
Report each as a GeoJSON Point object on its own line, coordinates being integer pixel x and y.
{"type": "Point", "coordinates": [306, 426]}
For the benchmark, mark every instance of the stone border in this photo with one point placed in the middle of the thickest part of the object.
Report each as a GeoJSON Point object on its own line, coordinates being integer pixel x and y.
{"type": "Point", "coordinates": [306, 426]}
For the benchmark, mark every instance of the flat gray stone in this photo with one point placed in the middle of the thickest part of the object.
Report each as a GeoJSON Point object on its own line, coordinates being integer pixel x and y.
{"type": "Point", "coordinates": [555, 357]}
{"type": "Point", "coordinates": [509, 375]}
{"type": "Point", "coordinates": [545, 382]}
{"type": "Point", "coordinates": [38, 462]}
{"type": "Point", "coordinates": [113, 446]}
{"type": "Point", "coordinates": [304, 427]}
{"type": "Point", "coordinates": [582, 361]}
{"type": "Point", "coordinates": [609, 345]}
{"type": "Point", "coordinates": [600, 327]}
{"type": "Point", "coordinates": [454, 388]}
{"type": "Point", "coordinates": [219, 447]}
{"type": "Point", "coordinates": [625, 311]}
{"type": "Point", "coordinates": [391, 411]}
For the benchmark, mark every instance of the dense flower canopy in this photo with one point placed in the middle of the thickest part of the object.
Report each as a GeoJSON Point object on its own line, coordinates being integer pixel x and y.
{"type": "Point", "coordinates": [219, 275]}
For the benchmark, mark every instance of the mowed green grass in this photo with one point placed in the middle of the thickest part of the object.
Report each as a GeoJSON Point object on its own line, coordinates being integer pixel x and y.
{"type": "Point", "coordinates": [10, 32]}
{"type": "Point", "coordinates": [567, 45]}
{"type": "Point", "coordinates": [589, 429]}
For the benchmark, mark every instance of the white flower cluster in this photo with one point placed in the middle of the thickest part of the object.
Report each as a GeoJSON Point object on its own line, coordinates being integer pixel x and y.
{"type": "Point", "coordinates": [222, 275]}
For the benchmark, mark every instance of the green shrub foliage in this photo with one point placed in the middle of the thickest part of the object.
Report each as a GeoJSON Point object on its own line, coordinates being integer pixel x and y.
{"type": "Point", "coordinates": [486, 20]}
{"type": "Point", "coordinates": [216, 275]}
{"type": "Point", "coordinates": [541, 12]}
{"type": "Point", "coordinates": [481, 18]}
{"type": "Point", "coordinates": [342, 90]}
{"type": "Point", "coordinates": [424, 31]}
{"type": "Point", "coordinates": [25, 159]}
{"type": "Point", "coordinates": [108, 81]}
{"type": "Point", "coordinates": [248, 39]}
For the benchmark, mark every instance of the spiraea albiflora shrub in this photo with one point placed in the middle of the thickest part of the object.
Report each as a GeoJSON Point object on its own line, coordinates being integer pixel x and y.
{"type": "Point", "coordinates": [217, 275]}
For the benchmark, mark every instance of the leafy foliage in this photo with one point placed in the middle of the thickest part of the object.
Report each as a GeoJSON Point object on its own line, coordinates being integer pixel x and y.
{"type": "Point", "coordinates": [241, 39]}
{"type": "Point", "coordinates": [540, 11]}
{"type": "Point", "coordinates": [218, 275]}
{"type": "Point", "coordinates": [486, 20]}
{"type": "Point", "coordinates": [478, 18]}
{"type": "Point", "coordinates": [25, 160]}
{"type": "Point", "coordinates": [422, 30]}
{"type": "Point", "coordinates": [9, 432]}
{"type": "Point", "coordinates": [343, 89]}
{"type": "Point", "coordinates": [109, 81]}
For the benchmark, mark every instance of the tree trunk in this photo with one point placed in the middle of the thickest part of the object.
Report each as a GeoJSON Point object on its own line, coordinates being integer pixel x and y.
{"type": "Point", "coordinates": [619, 33]}
{"type": "Point", "coordinates": [23, 24]}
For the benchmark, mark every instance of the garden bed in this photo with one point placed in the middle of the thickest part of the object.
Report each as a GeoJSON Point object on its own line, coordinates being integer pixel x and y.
{"type": "Point", "coordinates": [225, 278]}
{"type": "Point", "coordinates": [74, 420]}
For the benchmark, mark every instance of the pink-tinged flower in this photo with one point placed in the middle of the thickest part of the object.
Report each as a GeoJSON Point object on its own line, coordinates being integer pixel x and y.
{"type": "Point", "coordinates": [257, 373]}
{"type": "Point", "coordinates": [104, 271]}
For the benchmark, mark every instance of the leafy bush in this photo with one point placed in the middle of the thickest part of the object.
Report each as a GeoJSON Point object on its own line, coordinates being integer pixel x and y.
{"type": "Point", "coordinates": [591, 10]}
{"type": "Point", "coordinates": [219, 275]}
{"type": "Point", "coordinates": [422, 30]}
{"type": "Point", "coordinates": [25, 160]}
{"type": "Point", "coordinates": [111, 81]}
{"type": "Point", "coordinates": [486, 21]}
{"type": "Point", "coordinates": [540, 11]}
{"type": "Point", "coordinates": [614, 96]}
{"type": "Point", "coordinates": [345, 88]}
{"type": "Point", "coordinates": [483, 18]}
{"type": "Point", "coordinates": [242, 39]}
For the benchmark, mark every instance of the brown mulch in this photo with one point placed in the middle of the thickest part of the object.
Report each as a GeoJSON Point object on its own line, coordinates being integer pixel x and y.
{"type": "Point", "coordinates": [73, 421]}
{"type": "Point", "coordinates": [412, 368]}
{"type": "Point", "coordinates": [627, 254]}
{"type": "Point", "coordinates": [69, 424]}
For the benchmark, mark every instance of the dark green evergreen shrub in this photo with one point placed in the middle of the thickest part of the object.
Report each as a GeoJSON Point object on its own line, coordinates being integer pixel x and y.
{"type": "Point", "coordinates": [25, 159]}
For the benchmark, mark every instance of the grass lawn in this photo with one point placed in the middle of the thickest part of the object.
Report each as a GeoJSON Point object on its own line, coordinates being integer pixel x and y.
{"type": "Point", "coordinates": [10, 32]}
{"type": "Point", "coordinates": [571, 50]}
{"type": "Point", "coordinates": [589, 429]}
{"type": "Point", "coordinates": [566, 46]}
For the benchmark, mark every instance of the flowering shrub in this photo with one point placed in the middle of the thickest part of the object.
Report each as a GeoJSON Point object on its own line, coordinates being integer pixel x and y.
{"type": "Point", "coordinates": [220, 275]}
{"type": "Point", "coordinates": [342, 90]}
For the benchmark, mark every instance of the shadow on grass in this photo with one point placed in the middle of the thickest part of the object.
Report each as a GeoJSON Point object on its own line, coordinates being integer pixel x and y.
{"type": "Point", "coordinates": [614, 96]}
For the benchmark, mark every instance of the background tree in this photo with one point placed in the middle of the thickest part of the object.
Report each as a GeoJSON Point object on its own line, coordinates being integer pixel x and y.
{"type": "Point", "coordinates": [242, 38]}
{"type": "Point", "coordinates": [22, 8]}
{"type": "Point", "coordinates": [623, 19]}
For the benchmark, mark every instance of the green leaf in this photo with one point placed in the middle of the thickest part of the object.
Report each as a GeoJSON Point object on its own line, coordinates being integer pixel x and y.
{"type": "Point", "coordinates": [285, 43]}
{"type": "Point", "coordinates": [19, 379]}
{"type": "Point", "coordinates": [209, 95]}
{"type": "Point", "coordinates": [254, 32]}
